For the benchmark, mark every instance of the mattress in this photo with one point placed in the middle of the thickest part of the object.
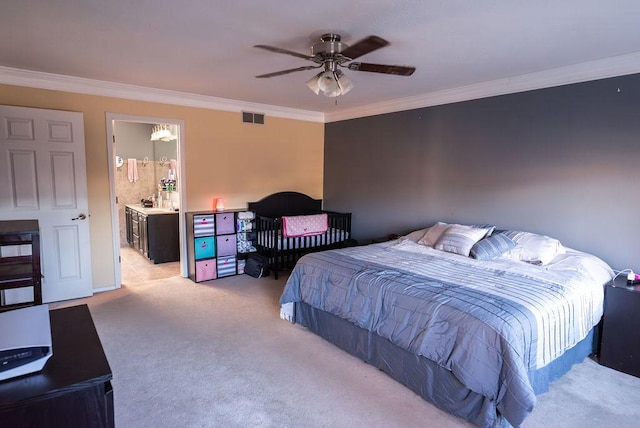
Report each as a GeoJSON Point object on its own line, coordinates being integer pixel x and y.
{"type": "Point", "coordinates": [492, 324]}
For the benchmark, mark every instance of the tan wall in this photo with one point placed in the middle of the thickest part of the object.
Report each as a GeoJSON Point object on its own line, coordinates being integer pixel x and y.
{"type": "Point", "coordinates": [224, 157]}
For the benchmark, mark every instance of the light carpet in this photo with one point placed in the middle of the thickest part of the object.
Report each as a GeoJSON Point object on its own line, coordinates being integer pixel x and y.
{"type": "Point", "coordinates": [216, 354]}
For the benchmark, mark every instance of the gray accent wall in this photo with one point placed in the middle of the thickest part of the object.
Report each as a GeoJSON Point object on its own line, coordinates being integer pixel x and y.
{"type": "Point", "coordinates": [563, 162]}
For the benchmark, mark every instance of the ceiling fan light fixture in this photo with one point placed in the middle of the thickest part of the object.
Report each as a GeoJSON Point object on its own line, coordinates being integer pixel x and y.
{"type": "Point", "coordinates": [330, 83]}
{"type": "Point", "coordinates": [313, 84]}
{"type": "Point", "coordinates": [344, 82]}
{"type": "Point", "coordinates": [331, 53]}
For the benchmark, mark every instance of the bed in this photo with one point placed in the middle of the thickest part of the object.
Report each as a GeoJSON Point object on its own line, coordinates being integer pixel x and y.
{"type": "Point", "coordinates": [283, 247]}
{"type": "Point", "coordinates": [474, 320]}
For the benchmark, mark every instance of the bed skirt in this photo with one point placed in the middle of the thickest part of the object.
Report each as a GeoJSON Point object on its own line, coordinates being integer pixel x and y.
{"type": "Point", "coordinates": [423, 376]}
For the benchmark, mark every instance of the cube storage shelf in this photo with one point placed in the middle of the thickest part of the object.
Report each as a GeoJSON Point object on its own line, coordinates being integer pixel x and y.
{"type": "Point", "coordinates": [218, 243]}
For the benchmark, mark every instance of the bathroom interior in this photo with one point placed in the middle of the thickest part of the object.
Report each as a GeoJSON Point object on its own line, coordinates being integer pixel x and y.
{"type": "Point", "coordinates": [146, 178]}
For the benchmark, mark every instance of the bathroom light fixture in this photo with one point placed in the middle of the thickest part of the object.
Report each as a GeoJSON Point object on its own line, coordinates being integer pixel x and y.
{"type": "Point", "coordinates": [164, 132]}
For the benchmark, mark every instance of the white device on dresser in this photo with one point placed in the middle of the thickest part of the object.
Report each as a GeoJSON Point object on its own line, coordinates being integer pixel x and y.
{"type": "Point", "coordinates": [25, 341]}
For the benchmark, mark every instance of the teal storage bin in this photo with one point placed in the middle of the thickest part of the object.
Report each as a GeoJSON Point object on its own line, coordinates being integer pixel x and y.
{"type": "Point", "coordinates": [205, 247]}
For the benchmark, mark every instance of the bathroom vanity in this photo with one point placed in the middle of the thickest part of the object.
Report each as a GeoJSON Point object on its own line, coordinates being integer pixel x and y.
{"type": "Point", "coordinates": [154, 232]}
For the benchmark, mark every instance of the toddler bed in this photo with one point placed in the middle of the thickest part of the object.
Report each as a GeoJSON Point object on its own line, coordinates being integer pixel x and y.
{"type": "Point", "coordinates": [291, 224]}
{"type": "Point", "coordinates": [474, 321]}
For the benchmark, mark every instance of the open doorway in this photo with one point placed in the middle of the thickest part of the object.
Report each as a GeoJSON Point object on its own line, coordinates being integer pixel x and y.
{"type": "Point", "coordinates": [147, 185]}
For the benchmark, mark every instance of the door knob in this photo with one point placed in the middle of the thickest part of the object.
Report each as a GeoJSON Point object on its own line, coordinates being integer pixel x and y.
{"type": "Point", "coordinates": [82, 216]}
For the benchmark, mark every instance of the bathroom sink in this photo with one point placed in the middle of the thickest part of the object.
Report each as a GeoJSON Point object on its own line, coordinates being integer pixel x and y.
{"type": "Point", "coordinates": [157, 210]}
{"type": "Point", "coordinates": [152, 210]}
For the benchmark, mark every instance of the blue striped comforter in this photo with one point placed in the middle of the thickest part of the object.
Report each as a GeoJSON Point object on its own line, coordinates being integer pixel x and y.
{"type": "Point", "coordinates": [489, 322]}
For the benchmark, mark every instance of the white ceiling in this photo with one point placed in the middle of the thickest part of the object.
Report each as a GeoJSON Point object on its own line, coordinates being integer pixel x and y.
{"type": "Point", "coordinates": [204, 48]}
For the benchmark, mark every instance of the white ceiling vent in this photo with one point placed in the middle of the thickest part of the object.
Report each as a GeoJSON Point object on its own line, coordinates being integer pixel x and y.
{"type": "Point", "coordinates": [248, 117]}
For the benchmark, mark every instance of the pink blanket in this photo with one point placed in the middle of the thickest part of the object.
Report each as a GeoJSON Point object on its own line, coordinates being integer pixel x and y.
{"type": "Point", "coordinates": [304, 225]}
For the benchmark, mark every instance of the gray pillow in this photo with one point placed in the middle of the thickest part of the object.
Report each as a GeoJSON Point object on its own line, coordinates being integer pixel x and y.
{"type": "Point", "coordinates": [490, 228]}
{"type": "Point", "coordinates": [492, 247]}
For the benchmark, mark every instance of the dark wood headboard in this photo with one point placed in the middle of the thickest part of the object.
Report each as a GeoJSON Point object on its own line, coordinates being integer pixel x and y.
{"type": "Point", "coordinates": [286, 204]}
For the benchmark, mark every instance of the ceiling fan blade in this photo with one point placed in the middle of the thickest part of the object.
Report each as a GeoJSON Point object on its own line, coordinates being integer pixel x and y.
{"type": "Point", "coordinates": [283, 51]}
{"type": "Point", "coordinates": [399, 70]}
{"type": "Point", "coordinates": [280, 73]}
{"type": "Point", "coordinates": [364, 46]}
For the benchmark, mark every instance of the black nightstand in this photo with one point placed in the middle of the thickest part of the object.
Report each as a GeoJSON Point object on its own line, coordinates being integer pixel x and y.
{"type": "Point", "coordinates": [620, 341]}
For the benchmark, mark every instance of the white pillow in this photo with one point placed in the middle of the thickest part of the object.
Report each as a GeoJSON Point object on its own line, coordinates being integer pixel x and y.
{"type": "Point", "coordinates": [534, 248]}
{"type": "Point", "coordinates": [459, 239]}
{"type": "Point", "coordinates": [433, 234]}
{"type": "Point", "coordinates": [416, 235]}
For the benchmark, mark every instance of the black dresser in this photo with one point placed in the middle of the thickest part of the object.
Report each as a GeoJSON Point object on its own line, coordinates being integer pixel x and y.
{"type": "Point", "coordinates": [73, 389]}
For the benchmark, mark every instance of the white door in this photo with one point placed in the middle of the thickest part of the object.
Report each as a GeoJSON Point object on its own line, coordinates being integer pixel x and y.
{"type": "Point", "coordinates": [43, 177]}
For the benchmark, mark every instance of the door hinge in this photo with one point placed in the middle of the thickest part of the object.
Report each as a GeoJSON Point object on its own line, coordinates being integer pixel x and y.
{"type": "Point", "coordinates": [114, 138]}
{"type": "Point", "coordinates": [116, 199]}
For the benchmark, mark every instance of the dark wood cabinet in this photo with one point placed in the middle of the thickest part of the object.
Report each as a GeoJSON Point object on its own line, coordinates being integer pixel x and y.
{"type": "Point", "coordinates": [128, 213]}
{"type": "Point", "coordinates": [156, 235]}
{"type": "Point", "coordinates": [20, 271]}
{"type": "Point", "coordinates": [143, 234]}
{"type": "Point", "coordinates": [73, 389]}
{"type": "Point", "coordinates": [162, 237]}
{"type": "Point", "coordinates": [133, 228]}
{"type": "Point", "coordinates": [619, 345]}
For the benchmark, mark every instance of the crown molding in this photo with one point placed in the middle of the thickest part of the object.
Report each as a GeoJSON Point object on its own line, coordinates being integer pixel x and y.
{"type": "Point", "coordinates": [577, 73]}
{"type": "Point", "coordinates": [58, 82]}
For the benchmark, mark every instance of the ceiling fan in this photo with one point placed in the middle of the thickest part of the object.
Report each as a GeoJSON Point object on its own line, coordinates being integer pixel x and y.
{"type": "Point", "coordinates": [330, 54]}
